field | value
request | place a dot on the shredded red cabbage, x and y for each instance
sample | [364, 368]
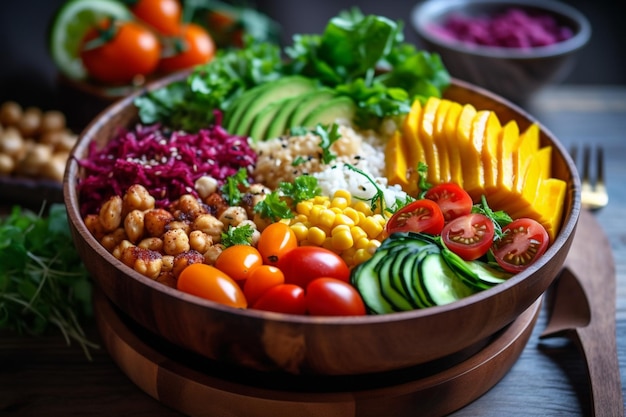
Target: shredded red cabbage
[167, 163]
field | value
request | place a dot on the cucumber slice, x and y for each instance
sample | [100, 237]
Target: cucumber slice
[69, 26]
[365, 279]
[440, 282]
[397, 299]
[476, 274]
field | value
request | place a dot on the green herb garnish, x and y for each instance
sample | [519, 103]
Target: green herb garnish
[231, 189]
[240, 235]
[302, 188]
[378, 199]
[499, 218]
[328, 135]
[43, 282]
[273, 207]
[422, 174]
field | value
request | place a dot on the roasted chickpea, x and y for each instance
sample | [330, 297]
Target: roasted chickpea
[52, 121]
[133, 225]
[233, 216]
[29, 124]
[152, 243]
[111, 213]
[7, 164]
[200, 241]
[137, 198]
[111, 240]
[156, 221]
[183, 260]
[10, 113]
[175, 241]
[205, 186]
[92, 222]
[210, 225]
[211, 255]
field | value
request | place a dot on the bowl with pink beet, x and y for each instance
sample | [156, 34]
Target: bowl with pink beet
[513, 48]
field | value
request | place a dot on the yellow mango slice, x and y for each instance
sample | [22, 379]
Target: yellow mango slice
[489, 153]
[538, 170]
[508, 142]
[395, 161]
[529, 144]
[471, 137]
[440, 139]
[425, 134]
[415, 151]
[547, 208]
[452, 148]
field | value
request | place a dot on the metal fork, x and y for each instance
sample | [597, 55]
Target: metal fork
[594, 195]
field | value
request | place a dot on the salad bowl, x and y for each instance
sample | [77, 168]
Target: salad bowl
[309, 345]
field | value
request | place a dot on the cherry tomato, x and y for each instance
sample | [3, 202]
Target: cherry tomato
[469, 236]
[276, 240]
[303, 264]
[162, 15]
[133, 50]
[260, 280]
[192, 46]
[523, 242]
[225, 28]
[238, 261]
[453, 200]
[209, 282]
[283, 298]
[419, 216]
[332, 297]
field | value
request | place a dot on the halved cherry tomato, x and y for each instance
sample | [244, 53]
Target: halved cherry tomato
[283, 298]
[238, 261]
[116, 55]
[469, 236]
[453, 200]
[523, 242]
[162, 15]
[209, 282]
[332, 297]
[276, 240]
[260, 280]
[419, 216]
[303, 264]
[190, 47]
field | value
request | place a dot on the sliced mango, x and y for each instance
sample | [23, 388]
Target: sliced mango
[426, 133]
[440, 139]
[528, 145]
[395, 161]
[489, 153]
[414, 148]
[470, 135]
[452, 148]
[547, 208]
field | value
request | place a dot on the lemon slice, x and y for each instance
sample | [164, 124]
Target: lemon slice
[69, 26]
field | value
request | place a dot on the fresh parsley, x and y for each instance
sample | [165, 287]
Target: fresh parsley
[231, 189]
[240, 235]
[273, 207]
[302, 188]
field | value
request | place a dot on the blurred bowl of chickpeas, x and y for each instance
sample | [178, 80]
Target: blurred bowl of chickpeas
[34, 147]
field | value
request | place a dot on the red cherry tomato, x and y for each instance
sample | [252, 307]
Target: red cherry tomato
[276, 240]
[469, 236]
[453, 200]
[332, 297]
[209, 282]
[283, 298]
[260, 280]
[419, 216]
[162, 15]
[238, 261]
[523, 242]
[192, 46]
[303, 264]
[133, 50]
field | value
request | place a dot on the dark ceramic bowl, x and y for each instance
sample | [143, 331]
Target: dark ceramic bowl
[274, 342]
[513, 73]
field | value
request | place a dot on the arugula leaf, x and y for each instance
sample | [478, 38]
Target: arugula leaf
[240, 235]
[302, 188]
[230, 190]
[43, 282]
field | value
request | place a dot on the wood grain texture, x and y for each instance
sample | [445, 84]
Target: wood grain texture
[316, 345]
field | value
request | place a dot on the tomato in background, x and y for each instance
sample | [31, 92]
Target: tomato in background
[225, 28]
[276, 240]
[282, 298]
[332, 297]
[190, 47]
[303, 264]
[164, 16]
[115, 54]
[260, 280]
[523, 242]
[238, 261]
[419, 216]
[453, 200]
[469, 236]
[212, 284]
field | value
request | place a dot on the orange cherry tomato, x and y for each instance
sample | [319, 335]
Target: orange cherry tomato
[260, 280]
[238, 261]
[192, 46]
[225, 28]
[132, 50]
[164, 16]
[212, 284]
[276, 240]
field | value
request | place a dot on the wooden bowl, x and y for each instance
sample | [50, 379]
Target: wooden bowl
[276, 342]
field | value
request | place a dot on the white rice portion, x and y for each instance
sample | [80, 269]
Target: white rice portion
[364, 150]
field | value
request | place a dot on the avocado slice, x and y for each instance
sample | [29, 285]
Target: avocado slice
[264, 119]
[308, 104]
[278, 125]
[239, 106]
[341, 107]
[272, 92]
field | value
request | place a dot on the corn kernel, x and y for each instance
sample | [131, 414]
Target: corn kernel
[316, 236]
[360, 256]
[352, 213]
[345, 194]
[321, 200]
[362, 243]
[357, 233]
[343, 219]
[339, 202]
[342, 239]
[314, 214]
[371, 227]
[363, 207]
[304, 207]
[300, 218]
[326, 218]
[341, 228]
[373, 246]
[336, 210]
[380, 219]
[301, 231]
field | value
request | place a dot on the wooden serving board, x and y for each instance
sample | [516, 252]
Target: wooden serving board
[197, 386]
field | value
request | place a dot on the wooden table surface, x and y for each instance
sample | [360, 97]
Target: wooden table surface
[44, 377]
